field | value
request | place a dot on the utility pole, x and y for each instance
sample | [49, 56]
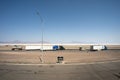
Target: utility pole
[41, 58]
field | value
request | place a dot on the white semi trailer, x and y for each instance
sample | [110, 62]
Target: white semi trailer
[98, 47]
[29, 47]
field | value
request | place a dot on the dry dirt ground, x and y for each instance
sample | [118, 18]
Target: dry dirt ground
[78, 65]
[50, 57]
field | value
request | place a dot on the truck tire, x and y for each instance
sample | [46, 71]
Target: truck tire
[13, 49]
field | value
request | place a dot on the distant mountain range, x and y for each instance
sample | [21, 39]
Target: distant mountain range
[45, 42]
[17, 41]
[14, 42]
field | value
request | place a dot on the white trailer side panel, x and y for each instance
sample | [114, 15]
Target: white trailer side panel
[47, 48]
[32, 47]
[38, 47]
[98, 47]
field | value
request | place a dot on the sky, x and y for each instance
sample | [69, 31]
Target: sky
[60, 21]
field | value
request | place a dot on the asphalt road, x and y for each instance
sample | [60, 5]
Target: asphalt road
[97, 71]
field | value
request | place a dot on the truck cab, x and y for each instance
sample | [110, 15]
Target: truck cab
[16, 47]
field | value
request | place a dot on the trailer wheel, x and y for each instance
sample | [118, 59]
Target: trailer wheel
[20, 49]
[13, 49]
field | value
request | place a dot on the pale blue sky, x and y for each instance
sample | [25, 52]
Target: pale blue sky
[64, 20]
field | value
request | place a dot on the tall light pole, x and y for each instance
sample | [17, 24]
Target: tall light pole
[41, 36]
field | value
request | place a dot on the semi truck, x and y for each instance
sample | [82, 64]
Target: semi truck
[98, 47]
[16, 47]
[44, 47]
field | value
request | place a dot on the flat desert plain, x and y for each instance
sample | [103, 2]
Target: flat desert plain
[70, 55]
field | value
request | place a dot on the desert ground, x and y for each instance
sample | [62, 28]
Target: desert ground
[71, 54]
[76, 65]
